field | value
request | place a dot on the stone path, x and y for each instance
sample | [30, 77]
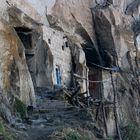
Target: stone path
[53, 116]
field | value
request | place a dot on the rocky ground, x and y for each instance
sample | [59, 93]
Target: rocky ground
[55, 119]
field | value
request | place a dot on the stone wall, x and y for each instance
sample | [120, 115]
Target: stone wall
[61, 54]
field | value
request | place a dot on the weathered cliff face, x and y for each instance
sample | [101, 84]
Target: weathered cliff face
[15, 79]
[113, 32]
[14, 72]
[116, 32]
[102, 33]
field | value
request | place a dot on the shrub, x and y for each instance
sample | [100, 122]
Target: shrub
[4, 135]
[20, 107]
[131, 132]
[74, 135]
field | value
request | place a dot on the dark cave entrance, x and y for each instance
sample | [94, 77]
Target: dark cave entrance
[25, 35]
[94, 59]
[95, 86]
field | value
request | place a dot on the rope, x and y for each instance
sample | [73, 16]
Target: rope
[115, 69]
[90, 81]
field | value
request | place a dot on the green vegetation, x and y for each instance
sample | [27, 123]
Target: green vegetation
[109, 138]
[77, 133]
[4, 135]
[74, 135]
[66, 98]
[2, 129]
[131, 132]
[20, 107]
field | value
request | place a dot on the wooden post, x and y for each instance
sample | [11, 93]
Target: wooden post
[104, 118]
[103, 111]
[115, 111]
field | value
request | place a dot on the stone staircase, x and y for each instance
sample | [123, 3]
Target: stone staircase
[53, 115]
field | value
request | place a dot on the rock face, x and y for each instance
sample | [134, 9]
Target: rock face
[102, 36]
[116, 32]
[117, 39]
[111, 28]
[14, 74]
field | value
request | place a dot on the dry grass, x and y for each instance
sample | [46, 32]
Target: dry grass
[73, 134]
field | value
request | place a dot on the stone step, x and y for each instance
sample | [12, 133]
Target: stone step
[54, 109]
[46, 104]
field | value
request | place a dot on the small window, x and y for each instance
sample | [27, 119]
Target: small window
[63, 48]
[65, 41]
[58, 75]
[49, 41]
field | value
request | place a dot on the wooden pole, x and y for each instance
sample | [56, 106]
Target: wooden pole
[104, 114]
[115, 110]
[104, 118]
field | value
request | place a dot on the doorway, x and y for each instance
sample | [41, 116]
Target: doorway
[95, 88]
[25, 35]
[58, 75]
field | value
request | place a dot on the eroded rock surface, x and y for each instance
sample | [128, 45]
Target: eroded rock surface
[100, 34]
[114, 31]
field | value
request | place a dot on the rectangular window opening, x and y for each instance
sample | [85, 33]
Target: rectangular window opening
[25, 34]
[58, 75]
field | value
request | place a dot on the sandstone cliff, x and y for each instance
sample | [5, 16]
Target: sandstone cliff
[104, 45]
[111, 28]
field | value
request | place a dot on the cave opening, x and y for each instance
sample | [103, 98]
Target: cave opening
[93, 60]
[105, 41]
[25, 35]
[95, 88]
